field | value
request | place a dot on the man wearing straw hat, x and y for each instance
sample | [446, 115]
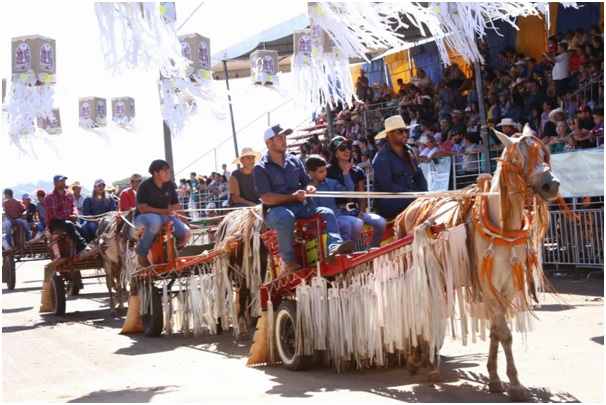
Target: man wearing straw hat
[282, 182]
[157, 204]
[242, 190]
[396, 168]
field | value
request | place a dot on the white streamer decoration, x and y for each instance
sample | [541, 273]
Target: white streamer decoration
[137, 35]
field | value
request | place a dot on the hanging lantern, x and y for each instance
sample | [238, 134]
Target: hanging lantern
[92, 112]
[196, 49]
[50, 124]
[264, 67]
[123, 111]
[34, 64]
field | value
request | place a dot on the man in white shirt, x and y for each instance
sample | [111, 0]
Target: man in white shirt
[431, 148]
[561, 68]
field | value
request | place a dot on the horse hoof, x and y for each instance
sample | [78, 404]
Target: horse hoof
[435, 376]
[517, 394]
[412, 367]
[495, 387]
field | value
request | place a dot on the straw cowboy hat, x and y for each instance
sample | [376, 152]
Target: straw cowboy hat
[553, 113]
[393, 123]
[507, 121]
[247, 152]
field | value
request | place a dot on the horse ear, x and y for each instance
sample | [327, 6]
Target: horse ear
[505, 140]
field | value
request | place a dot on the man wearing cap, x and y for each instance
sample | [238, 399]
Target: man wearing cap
[157, 204]
[62, 215]
[585, 124]
[30, 211]
[242, 191]
[396, 168]
[128, 197]
[282, 182]
[14, 211]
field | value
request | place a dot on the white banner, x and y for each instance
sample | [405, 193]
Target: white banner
[437, 173]
[581, 173]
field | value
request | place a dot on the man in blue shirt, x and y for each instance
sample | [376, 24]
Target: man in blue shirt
[396, 168]
[282, 183]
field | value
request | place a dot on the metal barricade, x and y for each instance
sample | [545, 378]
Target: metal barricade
[576, 239]
[373, 116]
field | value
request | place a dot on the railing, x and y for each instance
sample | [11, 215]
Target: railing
[590, 92]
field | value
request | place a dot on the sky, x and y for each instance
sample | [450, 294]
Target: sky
[115, 153]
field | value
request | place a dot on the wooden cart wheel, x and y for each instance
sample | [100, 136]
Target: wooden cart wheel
[8, 266]
[75, 283]
[58, 295]
[153, 318]
[286, 321]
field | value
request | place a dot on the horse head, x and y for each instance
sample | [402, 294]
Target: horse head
[530, 159]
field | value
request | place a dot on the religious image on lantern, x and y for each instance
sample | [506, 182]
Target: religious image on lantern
[101, 109]
[185, 50]
[47, 57]
[23, 57]
[305, 45]
[85, 111]
[268, 64]
[203, 55]
[119, 110]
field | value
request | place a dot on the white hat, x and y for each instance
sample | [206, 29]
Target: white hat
[507, 121]
[275, 130]
[247, 152]
[391, 124]
[553, 113]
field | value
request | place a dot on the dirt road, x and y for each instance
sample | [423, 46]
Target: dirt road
[81, 357]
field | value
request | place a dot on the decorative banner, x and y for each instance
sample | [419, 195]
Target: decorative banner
[264, 67]
[437, 173]
[123, 111]
[34, 64]
[51, 125]
[581, 173]
[92, 112]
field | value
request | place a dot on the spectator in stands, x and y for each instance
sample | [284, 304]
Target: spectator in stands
[532, 98]
[421, 80]
[494, 112]
[242, 191]
[584, 126]
[470, 160]
[507, 126]
[454, 75]
[61, 213]
[396, 168]
[430, 151]
[14, 211]
[128, 197]
[449, 98]
[458, 123]
[597, 132]
[515, 109]
[182, 192]
[362, 86]
[560, 73]
[226, 172]
[556, 143]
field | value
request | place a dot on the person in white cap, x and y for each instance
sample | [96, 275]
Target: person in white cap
[282, 182]
[396, 168]
[242, 190]
[128, 197]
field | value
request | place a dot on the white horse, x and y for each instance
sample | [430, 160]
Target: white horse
[505, 228]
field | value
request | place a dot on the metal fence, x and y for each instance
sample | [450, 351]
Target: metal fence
[576, 239]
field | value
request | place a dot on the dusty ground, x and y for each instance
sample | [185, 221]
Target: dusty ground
[81, 357]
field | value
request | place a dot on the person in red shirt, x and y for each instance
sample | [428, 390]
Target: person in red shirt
[128, 197]
[61, 213]
[14, 212]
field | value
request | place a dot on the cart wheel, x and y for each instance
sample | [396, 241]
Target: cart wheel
[58, 295]
[75, 283]
[8, 266]
[153, 319]
[286, 321]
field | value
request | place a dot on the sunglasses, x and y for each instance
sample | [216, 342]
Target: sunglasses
[343, 148]
[400, 131]
[101, 185]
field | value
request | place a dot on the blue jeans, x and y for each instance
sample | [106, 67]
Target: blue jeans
[390, 207]
[7, 225]
[350, 227]
[282, 219]
[377, 222]
[89, 230]
[152, 223]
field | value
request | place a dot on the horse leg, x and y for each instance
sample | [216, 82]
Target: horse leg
[433, 374]
[414, 361]
[516, 389]
[494, 382]
[244, 295]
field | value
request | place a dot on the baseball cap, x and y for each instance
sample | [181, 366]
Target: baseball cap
[467, 109]
[99, 181]
[336, 142]
[584, 108]
[24, 196]
[59, 177]
[275, 130]
[135, 177]
[41, 192]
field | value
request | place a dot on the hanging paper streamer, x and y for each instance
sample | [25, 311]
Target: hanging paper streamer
[31, 92]
[301, 64]
[138, 35]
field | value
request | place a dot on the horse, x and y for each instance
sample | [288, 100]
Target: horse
[114, 233]
[247, 263]
[505, 228]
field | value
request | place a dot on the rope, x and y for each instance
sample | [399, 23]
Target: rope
[383, 194]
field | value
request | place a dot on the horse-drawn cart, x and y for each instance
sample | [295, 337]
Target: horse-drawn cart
[26, 251]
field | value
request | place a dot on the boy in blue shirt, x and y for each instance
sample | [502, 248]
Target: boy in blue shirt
[350, 227]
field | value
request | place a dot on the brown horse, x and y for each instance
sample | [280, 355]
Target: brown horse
[505, 228]
[113, 231]
[247, 262]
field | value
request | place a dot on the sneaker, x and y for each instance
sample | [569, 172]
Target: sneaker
[85, 250]
[143, 261]
[292, 266]
[345, 247]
